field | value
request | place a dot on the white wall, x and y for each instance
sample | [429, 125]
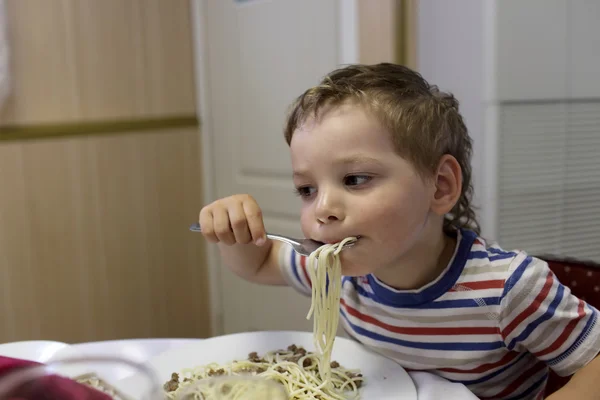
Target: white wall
[450, 54]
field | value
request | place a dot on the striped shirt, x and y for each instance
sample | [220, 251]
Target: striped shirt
[494, 320]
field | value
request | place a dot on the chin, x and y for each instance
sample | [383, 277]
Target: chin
[353, 269]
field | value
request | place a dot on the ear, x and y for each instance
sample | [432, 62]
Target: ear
[448, 185]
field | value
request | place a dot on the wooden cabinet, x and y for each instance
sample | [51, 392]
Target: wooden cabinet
[94, 240]
[75, 60]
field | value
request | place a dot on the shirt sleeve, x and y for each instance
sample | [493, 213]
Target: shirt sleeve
[540, 315]
[293, 268]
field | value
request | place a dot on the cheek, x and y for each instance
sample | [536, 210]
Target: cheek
[305, 220]
[398, 215]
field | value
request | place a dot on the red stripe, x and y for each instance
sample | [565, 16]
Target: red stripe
[532, 307]
[477, 241]
[566, 333]
[484, 330]
[479, 285]
[303, 265]
[510, 389]
[508, 357]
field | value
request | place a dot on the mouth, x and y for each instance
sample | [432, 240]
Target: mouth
[334, 241]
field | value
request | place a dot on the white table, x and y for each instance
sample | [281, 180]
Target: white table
[429, 386]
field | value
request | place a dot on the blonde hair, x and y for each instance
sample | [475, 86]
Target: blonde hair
[424, 122]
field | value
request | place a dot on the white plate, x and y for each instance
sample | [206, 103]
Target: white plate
[384, 379]
[137, 350]
[32, 350]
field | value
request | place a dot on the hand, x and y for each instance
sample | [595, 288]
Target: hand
[234, 219]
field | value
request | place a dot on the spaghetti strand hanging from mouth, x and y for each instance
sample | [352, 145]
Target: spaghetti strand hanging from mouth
[325, 271]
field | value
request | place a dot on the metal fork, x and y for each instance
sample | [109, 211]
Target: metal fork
[302, 246]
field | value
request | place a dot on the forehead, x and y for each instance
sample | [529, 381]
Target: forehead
[340, 130]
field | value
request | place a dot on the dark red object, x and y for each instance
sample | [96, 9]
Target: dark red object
[583, 278]
[50, 387]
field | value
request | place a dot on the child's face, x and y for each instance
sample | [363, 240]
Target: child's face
[353, 183]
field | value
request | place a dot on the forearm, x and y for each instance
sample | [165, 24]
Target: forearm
[584, 385]
[253, 263]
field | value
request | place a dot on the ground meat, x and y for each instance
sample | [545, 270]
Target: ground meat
[280, 370]
[173, 384]
[300, 351]
[253, 357]
[306, 363]
[253, 368]
[218, 372]
[335, 364]
[352, 375]
[292, 348]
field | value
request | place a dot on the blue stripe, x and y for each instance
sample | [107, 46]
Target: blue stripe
[450, 346]
[442, 304]
[578, 342]
[295, 268]
[396, 298]
[515, 276]
[491, 375]
[493, 250]
[348, 279]
[482, 255]
[549, 313]
[478, 255]
[502, 257]
[464, 303]
[535, 386]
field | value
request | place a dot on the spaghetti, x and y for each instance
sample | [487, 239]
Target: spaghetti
[326, 281]
[294, 368]
[304, 375]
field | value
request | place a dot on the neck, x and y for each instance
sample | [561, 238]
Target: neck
[425, 261]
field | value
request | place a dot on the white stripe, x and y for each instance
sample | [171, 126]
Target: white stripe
[300, 271]
[402, 312]
[383, 316]
[287, 270]
[463, 293]
[489, 276]
[539, 312]
[540, 343]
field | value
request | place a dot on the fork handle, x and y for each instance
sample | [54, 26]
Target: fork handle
[195, 227]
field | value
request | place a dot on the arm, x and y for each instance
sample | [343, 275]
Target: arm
[543, 317]
[584, 385]
[236, 224]
[258, 264]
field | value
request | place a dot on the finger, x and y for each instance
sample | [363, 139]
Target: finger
[222, 226]
[239, 223]
[207, 225]
[255, 222]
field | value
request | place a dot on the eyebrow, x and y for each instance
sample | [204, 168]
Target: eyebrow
[358, 159]
[351, 160]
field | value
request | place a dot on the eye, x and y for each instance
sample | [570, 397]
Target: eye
[305, 191]
[356, 180]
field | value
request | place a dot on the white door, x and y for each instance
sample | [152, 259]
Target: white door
[258, 56]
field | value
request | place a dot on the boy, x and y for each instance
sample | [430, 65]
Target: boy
[380, 154]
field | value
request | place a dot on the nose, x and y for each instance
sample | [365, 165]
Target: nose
[328, 207]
